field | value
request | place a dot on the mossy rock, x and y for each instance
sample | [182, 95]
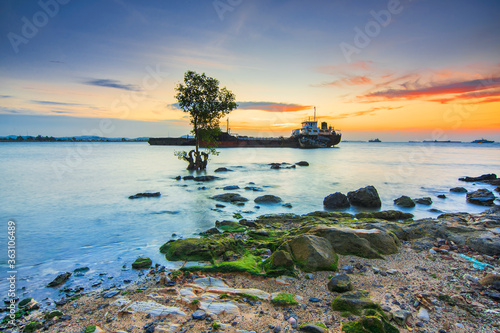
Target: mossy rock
[354, 302]
[52, 314]
[24, 303]
[32, 326]
[142, 263]
[280, 263]
[230, 226]
[247, 263]
[389, 215]
[312, 253]
[369, 324]
[199, 249]
[229, 197]
[284, 299]
[90, 329]
[329, 214]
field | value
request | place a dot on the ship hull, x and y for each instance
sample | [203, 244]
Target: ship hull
[229, 141]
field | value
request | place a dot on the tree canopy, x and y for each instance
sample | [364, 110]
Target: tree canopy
[206, 103]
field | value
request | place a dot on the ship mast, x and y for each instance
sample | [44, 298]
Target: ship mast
[314, 113]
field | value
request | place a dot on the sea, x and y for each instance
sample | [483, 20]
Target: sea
[69, 206]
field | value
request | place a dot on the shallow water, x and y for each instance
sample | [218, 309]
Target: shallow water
[71, 207]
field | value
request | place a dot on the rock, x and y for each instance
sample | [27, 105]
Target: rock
[253, 188]
[142, 263]
[222, 170]
[313, 253]
[60, 279]
[481, 197]
[275, 166]
[424, 201]
[312, 328]
[152, 308]
[340, 284]
[230, 187]
[423, 314]
[211, 231]
[400, 316]
[197, 249]
[230, 226]
[336, 200]
[32, 327]
[490, 280]
[404, 201]
[145, 195]
[354, 302]
[229, 197]
[111, 293]
[199, 315]
[287, 205]
[441, 196]
[188, 177]
[366, 243]
[302, 163]
[365, 197]
[314, 300]
[268, 199]
[389, 215]
[458, 190]
[281, 258]
[205, 178]
[481, 178]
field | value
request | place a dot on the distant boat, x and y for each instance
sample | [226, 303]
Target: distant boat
[443, 141]
[374, 140]
[414, 141]
[483, 140]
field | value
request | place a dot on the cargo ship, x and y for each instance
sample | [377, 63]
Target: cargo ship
[309, 136]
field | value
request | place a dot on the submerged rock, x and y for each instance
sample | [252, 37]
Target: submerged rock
[490, 176]
[302, 163]
[389, 215]
[229, 197]
[404, 201]
[145, 195]
[60, 279]
[222, 170]
[365, 197]
[424, 201]
[269, 199]
[205, 178]
[482, 197]
[336, 200]
[458, 190]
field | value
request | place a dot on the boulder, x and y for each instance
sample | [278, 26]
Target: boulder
[482, 197]
[458, 190]
[360, 242]
[336, 200]
[312, 328]
[60, 279]
[302, 163]
[389, 215]
[313, 253]
[365, 197]
[424, 201]
[229, 197]
[281, 258]
[254, 188]
[492, 280]
[205, 178]
[404, 201]
[268, 199]
[197, 249]
[142, 263]
[481, 178]
[230, 187]
[230, 226]
[340, 284]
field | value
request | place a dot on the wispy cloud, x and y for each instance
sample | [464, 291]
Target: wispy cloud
[112, 84]
[370, 111]
[273, 107]
[350, 81]
[54, 103]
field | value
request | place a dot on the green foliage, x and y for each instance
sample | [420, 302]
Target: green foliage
[195, 302]
[284, 299]
[216, 325]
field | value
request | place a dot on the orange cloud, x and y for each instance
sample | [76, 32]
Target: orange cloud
[351, 81]
[361, 113]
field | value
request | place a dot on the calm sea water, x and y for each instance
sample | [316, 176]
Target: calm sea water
[71, 207]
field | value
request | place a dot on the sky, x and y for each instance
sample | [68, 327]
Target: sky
[397, 70]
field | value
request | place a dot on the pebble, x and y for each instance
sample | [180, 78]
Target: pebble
[293, 322]
[314, 299]
[199, 315]
[423, 314]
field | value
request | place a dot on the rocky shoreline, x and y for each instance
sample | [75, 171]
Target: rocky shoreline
[324, 271]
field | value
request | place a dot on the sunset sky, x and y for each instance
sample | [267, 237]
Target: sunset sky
[396, 70]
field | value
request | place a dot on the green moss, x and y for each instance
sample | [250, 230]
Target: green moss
[176, 274]
[24, 303]
[74, 298]
[354, 302]
[317, 324]
[200, 249]
[251, 297]
[247, 263]
[230, 226]
[284, 299]
[195, 302]
[32, 327]
[216, 325]
[90, 329]
[17, 315]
